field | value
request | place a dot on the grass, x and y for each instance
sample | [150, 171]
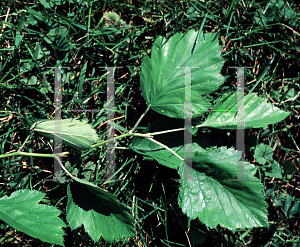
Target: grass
[74, 34]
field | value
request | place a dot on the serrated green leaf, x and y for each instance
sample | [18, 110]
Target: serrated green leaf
[286, 11]
[67, 77]
[88, 170]
[43, 52]
[287, 205]
[274, 170]
[288, 92]
[288, 167]
[57, 31]
[294, 209]
[35, 14]
[197, 237]
[263, 153]
[31, 20]
[276, 201]
[258, 113]
[262, 17]
[214, 200]
[50, 3]
[75, 133]
[277, 3]
[273, 8]
[99, 211]
[58, 2]
[112, 15]
[45, 3]
[163, 85]
[22, 212]
[32, 81]
[45, 87]
[270, 191]
[25, 67]
[193, 14]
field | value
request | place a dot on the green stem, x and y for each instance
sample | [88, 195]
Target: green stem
[121, 148]
[168, 131]
[140, 119]
[115, 138]
[166, 147]
[165, 131]
[62, 166]
[20, 149]
[66, 153]
[33, 154]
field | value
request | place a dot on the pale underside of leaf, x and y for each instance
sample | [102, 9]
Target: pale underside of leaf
[74, 133]
[258, 113]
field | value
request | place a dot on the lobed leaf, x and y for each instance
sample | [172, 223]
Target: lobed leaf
[274, 170]
[99, 211]
[263, 153]
[163, 84]
[22, 212]
[214, 200]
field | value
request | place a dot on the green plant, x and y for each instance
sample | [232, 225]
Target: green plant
[274, 7]
[112, 18]
[209, 196]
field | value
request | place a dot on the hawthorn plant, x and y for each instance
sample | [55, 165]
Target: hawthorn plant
[209, 196]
